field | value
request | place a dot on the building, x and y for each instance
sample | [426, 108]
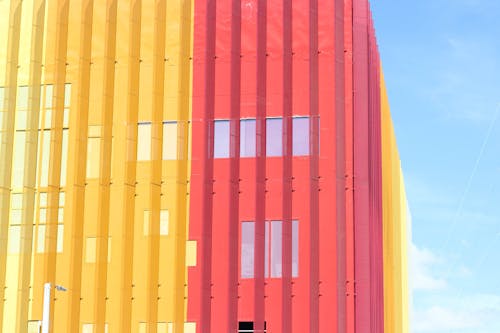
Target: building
[198, 166]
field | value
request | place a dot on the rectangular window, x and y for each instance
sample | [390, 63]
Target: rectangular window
[90, 250]
[60, 238]
[67, 94]
[48, 119]
[64, 157]
[18, 160]
[247, 138]
[40, 243]
[49, 89]
[163, 327]
[276, 248]
[274, 137]
[295, 248]
[247, 249]
[191, 253]
[164, 218]
[169, 140]
[40, 246]
[273, 251]
[93, 156]
[221, 139]
[88, 328]
[22, 98]
[301, 136]
[14, 239]
[45, 152]
[21, 120]
[144, 141]
[248, 327]
[34, 326]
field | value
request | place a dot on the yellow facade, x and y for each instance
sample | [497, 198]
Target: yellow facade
[85, 87]
[396, 228]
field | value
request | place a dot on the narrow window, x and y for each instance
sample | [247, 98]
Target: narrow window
[18, 160]
[64, 157]
[22, 98]
[45, 152]
[221, 139]
[266, 248]
[34, 326]
[144, 141]
[90, 250]
[248, 327]
[162, 327]
[191, 253]
[247, 138]
[247, 249]
[169, 140]
[14, 238]
[295, 248]
[60, 238]
[301, 136]
[274, 137]
[164, 218]
[88, 328]
[2, 97]
[276, 249]
[93, 155]
[49, 89]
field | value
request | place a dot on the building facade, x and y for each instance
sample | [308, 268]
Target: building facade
[198, 166]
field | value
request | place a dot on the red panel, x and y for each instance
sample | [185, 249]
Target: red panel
[200, 227]
[361, 167]
[350, 321]
[263, 59]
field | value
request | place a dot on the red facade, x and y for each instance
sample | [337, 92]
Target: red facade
[262, 69]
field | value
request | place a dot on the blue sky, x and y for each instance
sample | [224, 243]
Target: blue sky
[441, 61]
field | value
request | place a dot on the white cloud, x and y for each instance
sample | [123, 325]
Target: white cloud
[460, 313]
[422, 262]
[437, 318]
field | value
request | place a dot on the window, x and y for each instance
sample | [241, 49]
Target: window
[221, 139]
[93, 151]
[273, 240]
[247, 137]
[169, 140]
[144, 141]
[247, 249]
[295, 248]
[22, 98]
[91, 250]
[190, 253]
[18, 159]
[300, 136]
[14, 239]
[248, 327]
[45, 153]
[64, 157]
[34, 326]
[164, 219]
[274, 137]
[276, 248]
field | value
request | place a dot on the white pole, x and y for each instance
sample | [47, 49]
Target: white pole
[46, 307]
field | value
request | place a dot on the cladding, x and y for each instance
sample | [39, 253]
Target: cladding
[112, 183]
